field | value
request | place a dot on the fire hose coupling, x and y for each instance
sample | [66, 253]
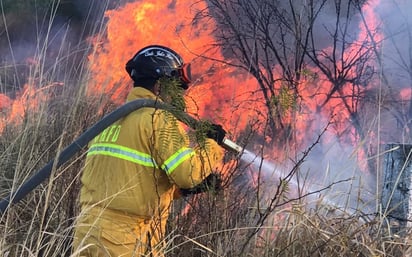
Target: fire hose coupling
[231, 146]
[217, 133]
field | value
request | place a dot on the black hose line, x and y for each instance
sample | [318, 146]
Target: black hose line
[84, 139]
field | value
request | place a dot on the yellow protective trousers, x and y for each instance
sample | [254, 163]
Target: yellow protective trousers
[106, 233]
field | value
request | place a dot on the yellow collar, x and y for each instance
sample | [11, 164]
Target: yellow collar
[139, 93]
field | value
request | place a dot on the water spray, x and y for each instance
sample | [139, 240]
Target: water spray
[274, 175]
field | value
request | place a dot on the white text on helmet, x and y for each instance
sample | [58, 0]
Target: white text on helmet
[160, 53]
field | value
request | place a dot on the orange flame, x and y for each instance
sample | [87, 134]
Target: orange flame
[138, 24]
[130, 29]
[406, 94]
[28, 101]
[221, 93]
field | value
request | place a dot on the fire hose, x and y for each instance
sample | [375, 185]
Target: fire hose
[91, 133]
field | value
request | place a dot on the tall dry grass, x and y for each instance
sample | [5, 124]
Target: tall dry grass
[39, 224]
[48, 112]
[225, 223]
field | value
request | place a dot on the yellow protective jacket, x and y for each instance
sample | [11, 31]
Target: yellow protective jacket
[134, 167]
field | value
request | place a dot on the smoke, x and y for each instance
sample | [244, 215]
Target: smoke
[397, 28]
[36, 34]
[380, 117]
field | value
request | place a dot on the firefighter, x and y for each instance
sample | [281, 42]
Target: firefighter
[137, 166]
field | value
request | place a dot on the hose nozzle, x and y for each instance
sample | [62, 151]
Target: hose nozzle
[231, 146]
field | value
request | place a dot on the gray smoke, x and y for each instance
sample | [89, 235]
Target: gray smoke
[396, 47]
[31, 33]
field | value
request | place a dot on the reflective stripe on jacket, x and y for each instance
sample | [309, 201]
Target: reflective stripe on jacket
[135, 165]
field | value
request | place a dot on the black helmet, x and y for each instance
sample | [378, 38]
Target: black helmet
[155, 61]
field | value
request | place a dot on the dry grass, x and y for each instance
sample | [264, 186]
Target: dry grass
[224, 224]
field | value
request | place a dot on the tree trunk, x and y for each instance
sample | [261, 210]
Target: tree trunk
[396, 191]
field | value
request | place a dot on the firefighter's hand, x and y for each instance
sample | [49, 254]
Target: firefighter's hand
[216, 132]
[212, 183]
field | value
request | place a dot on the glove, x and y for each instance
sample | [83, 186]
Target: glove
[216, 132]
[212, 183]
